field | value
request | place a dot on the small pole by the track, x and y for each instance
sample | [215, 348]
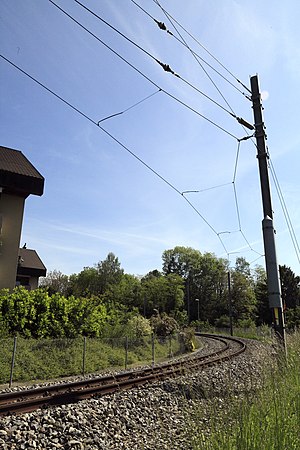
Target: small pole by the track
[153, 349]
[13, 361]
[230, 305]
[83, 355]
[126, 352]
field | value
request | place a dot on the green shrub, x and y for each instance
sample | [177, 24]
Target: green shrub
[164, 325]
[268, 418]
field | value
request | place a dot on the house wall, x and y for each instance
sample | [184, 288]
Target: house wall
[33, 282]
[29, 282]
[11, 212]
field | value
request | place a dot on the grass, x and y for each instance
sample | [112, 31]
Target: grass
[44, 359]
[268, 419]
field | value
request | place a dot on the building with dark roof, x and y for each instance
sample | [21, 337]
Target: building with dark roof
[18, 179]
[30, 268]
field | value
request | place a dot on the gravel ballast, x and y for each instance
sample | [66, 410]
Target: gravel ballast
[160, 416]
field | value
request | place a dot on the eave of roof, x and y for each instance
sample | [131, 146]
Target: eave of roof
[30, 263]
[17, 174]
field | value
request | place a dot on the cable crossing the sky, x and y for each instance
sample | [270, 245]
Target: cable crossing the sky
[172, 186]
[159, 89]
[198, 59]
[163, 27]
[165, 67]
[146, 77]
[130, 107]
[206, 50]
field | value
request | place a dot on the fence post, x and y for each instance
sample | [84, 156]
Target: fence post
[170, 346]
[153, 349]
[13, 361]
[126, 352]
[83, 355]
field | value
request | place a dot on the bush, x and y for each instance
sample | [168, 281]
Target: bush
[138, 327]
[222, 322]
[187, 340]
[292, 318]
[164, 325]
[38, 314]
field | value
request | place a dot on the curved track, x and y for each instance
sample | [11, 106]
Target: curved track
[58, 394]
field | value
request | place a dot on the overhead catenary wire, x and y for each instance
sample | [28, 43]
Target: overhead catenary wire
[182, 41]
[162, 26]
[234, 187]
[168, 69]
[207, 51]
[233, 184]
[236, 197]
[206, 189]
[285, 210]
[197, 59]
[133, 154]
[172, 186]
[182, 103]
[238, 215]
[165, 66]
[282, 202]
[130, 107]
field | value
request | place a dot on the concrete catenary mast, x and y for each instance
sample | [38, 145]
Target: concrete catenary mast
[272, 268]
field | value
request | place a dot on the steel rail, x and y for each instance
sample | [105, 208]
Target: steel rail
[57, 394]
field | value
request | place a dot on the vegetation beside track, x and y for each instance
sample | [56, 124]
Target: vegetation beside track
[266, 419]
[44, 359]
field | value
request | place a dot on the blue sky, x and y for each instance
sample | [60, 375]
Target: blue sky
[98, 198]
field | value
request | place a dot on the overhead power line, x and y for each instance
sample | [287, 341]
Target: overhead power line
[172, 186]
[182, 41]
[118, 142]
[130, 107]
[197, 58]
[166, 67]
[285, 211]
[237, 208]
[206, 50]
[173, 97]
[218, 234]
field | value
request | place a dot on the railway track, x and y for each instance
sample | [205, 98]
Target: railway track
[64, 393]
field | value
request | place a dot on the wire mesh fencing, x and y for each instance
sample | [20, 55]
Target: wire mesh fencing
[23, 359]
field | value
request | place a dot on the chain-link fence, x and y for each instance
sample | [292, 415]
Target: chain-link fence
[24, 360]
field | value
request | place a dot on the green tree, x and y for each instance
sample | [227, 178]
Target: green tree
[210, 287]
[243, 297]
[183, 261]
[264, 314]
[85, 283]
[163, 293]
[55, 281]
[138, 327]
[96, 280]
[109, 272]
[292, 317]
[126, 292]
[58, 325]
[163, 325]
[41, 301]
[18, 311]
[180, 260]
[290, 287]
[242, 266]
[205, 278]
[86, 316]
